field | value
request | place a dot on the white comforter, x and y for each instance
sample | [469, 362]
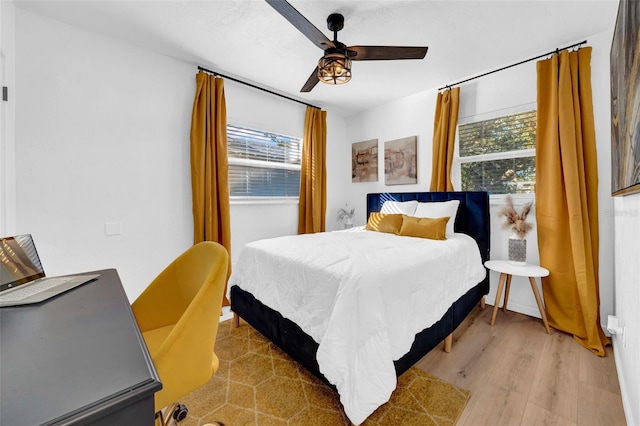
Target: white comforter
[362, 296]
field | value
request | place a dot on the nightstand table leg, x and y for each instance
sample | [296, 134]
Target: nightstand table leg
[506, 293]
[534, 287]
[498, 294]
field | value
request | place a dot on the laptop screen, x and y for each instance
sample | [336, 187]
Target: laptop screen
[19, 261]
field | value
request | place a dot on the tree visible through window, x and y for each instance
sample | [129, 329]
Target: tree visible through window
[262, 164]
[498, 155]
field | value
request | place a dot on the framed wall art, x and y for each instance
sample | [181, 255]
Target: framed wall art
[400, 161]
[625, 100]
[364, 161]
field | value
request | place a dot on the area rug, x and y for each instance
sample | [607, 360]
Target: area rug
[257, 384]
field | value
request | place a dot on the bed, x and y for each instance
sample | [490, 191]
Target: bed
[295, 335]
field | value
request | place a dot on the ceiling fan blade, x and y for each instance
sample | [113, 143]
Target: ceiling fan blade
[311, 81]
[381, 53]
[301, 23]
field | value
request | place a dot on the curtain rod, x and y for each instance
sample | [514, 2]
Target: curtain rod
[513, 65]
[256, 87]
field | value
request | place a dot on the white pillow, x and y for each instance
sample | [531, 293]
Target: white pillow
[439, 209]
[403, 207]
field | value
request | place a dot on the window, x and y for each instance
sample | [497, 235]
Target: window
[498, 155]
[263, 164]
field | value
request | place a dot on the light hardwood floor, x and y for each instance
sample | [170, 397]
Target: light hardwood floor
[519, 375]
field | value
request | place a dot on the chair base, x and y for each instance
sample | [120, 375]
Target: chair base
[174, 413]
[171, 414]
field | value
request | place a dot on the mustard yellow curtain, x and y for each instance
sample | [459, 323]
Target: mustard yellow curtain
[209, 165]
[313, 182]
[444, 139]
[567, 197]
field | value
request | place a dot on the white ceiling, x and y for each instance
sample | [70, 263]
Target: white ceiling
[250, 40]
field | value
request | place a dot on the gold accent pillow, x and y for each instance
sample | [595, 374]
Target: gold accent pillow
[380, 222]
[424, 227]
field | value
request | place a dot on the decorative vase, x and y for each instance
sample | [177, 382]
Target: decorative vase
[517, 251]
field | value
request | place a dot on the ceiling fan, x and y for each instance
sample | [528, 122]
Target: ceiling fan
[335, 65]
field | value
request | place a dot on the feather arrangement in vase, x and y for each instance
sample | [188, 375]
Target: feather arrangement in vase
[516, 221]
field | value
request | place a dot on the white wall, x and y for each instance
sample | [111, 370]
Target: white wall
[102, 135]
[7, 118]
[627, 296]
[496, 94]
[252, 108]
[410, 116]
[255, 220]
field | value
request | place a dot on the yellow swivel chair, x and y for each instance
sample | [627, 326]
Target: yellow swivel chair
[178, 314]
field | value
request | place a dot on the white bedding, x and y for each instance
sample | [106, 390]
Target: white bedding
[362, 296]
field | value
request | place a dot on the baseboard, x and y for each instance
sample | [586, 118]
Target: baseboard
[226, 313]
[626, 404]
[531, 311]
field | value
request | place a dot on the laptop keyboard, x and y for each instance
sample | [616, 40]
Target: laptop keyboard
[35, 288]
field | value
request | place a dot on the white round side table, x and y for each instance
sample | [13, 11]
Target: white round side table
[507, 270]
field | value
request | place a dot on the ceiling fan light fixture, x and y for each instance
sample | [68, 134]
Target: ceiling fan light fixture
[334, 68]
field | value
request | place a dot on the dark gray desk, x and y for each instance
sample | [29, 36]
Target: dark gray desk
[78, 358]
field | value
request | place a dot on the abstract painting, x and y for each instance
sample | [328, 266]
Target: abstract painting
[625, 100]
[364, 161]
[400, 162]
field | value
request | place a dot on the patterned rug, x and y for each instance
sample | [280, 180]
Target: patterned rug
[258, 384]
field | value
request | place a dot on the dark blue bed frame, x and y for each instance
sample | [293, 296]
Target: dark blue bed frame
[472, 219]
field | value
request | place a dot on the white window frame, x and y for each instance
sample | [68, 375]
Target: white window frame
[497, 199]
[242, 199]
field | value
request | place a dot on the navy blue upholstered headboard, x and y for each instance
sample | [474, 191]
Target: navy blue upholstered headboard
[473, 213]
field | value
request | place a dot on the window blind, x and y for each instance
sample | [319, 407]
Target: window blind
[263, 164]
[498, 155]
[507, 133]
